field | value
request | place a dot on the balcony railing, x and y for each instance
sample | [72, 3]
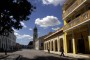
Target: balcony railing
[72, 7]
[78, 20]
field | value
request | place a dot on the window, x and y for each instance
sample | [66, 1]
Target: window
[68, 21]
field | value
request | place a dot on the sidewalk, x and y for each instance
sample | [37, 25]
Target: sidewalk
[79, 56]
[3, 56]
[9, 57]
[72, 56]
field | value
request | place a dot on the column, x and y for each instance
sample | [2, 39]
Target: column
[48, 45]
[65, 43]
[89, 36]
[58, 45]
[74, 43]
[44, 46]
[74, 46]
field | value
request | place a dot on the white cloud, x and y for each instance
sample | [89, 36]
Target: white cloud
[24, 36]
[47, 21]
[56, 28]
[54, 2]
[30, 29]
[15, 30]
[23, 24]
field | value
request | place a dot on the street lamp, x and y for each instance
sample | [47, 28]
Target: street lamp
[6, 35]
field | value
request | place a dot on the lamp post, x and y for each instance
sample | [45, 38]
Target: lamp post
[6, 48]
[6, 35]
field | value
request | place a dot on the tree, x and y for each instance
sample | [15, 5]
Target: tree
[12, 13]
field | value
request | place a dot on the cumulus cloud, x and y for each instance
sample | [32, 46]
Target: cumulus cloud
[23, 24]
[24, 36]
[30, 29]
[54, 2]
[55, 28]
[47, 21]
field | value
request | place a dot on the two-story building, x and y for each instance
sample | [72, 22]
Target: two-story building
[76, 16]
[54, 41]
[8, 42]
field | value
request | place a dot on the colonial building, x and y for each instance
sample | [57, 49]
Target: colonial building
[39, 43]
[8, 42]
[76, 16]
[35, 35]
[54, 41]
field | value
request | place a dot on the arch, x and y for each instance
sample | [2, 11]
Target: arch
[56, 47]
[52, 45]
[61, 43]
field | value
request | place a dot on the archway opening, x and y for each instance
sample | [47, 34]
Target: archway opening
[56, 49]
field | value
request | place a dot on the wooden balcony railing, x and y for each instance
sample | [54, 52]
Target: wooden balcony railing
[72, 7]
[78, 20]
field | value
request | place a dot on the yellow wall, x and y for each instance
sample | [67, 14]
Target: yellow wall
[65, 43]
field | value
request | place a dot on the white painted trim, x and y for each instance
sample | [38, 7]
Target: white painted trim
[77, 25]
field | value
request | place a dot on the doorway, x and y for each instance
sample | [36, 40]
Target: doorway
[52, 45]
[81, 46]
[61, 43]
[56, 49]
[70, 45]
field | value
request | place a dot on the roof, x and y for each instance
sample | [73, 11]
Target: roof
[40, 38]
[49, 35]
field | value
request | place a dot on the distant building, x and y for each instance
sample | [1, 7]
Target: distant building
[8, 42]
[30, 45]
[35, 35]
[18, 46]
[39, 43]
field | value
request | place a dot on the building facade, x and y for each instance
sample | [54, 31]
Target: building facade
[54, 41]
[76, 16]
[8, 42]
[39, 43]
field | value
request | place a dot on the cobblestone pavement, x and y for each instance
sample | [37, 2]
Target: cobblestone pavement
[29, 54]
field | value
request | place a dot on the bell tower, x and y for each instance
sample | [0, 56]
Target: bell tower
[35, 35]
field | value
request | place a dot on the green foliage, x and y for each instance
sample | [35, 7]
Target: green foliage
[12, 13]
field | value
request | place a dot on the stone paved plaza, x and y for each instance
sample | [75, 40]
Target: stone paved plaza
[30, 54]
[39, 55]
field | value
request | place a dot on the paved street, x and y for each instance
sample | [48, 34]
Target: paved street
[27, 54]
[38, 55]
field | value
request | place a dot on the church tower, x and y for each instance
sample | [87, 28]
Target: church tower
[35, 35]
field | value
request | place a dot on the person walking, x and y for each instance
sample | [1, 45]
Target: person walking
[62, 51]
[48, 50]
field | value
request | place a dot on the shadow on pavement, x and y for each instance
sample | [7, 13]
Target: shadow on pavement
[45, 58]
[51, 58]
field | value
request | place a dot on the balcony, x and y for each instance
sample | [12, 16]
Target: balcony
[73, 7]
[78, 21]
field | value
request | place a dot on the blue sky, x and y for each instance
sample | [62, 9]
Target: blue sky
[47, 16]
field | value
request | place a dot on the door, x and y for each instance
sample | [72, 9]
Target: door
[81, 46]
[70, 46]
